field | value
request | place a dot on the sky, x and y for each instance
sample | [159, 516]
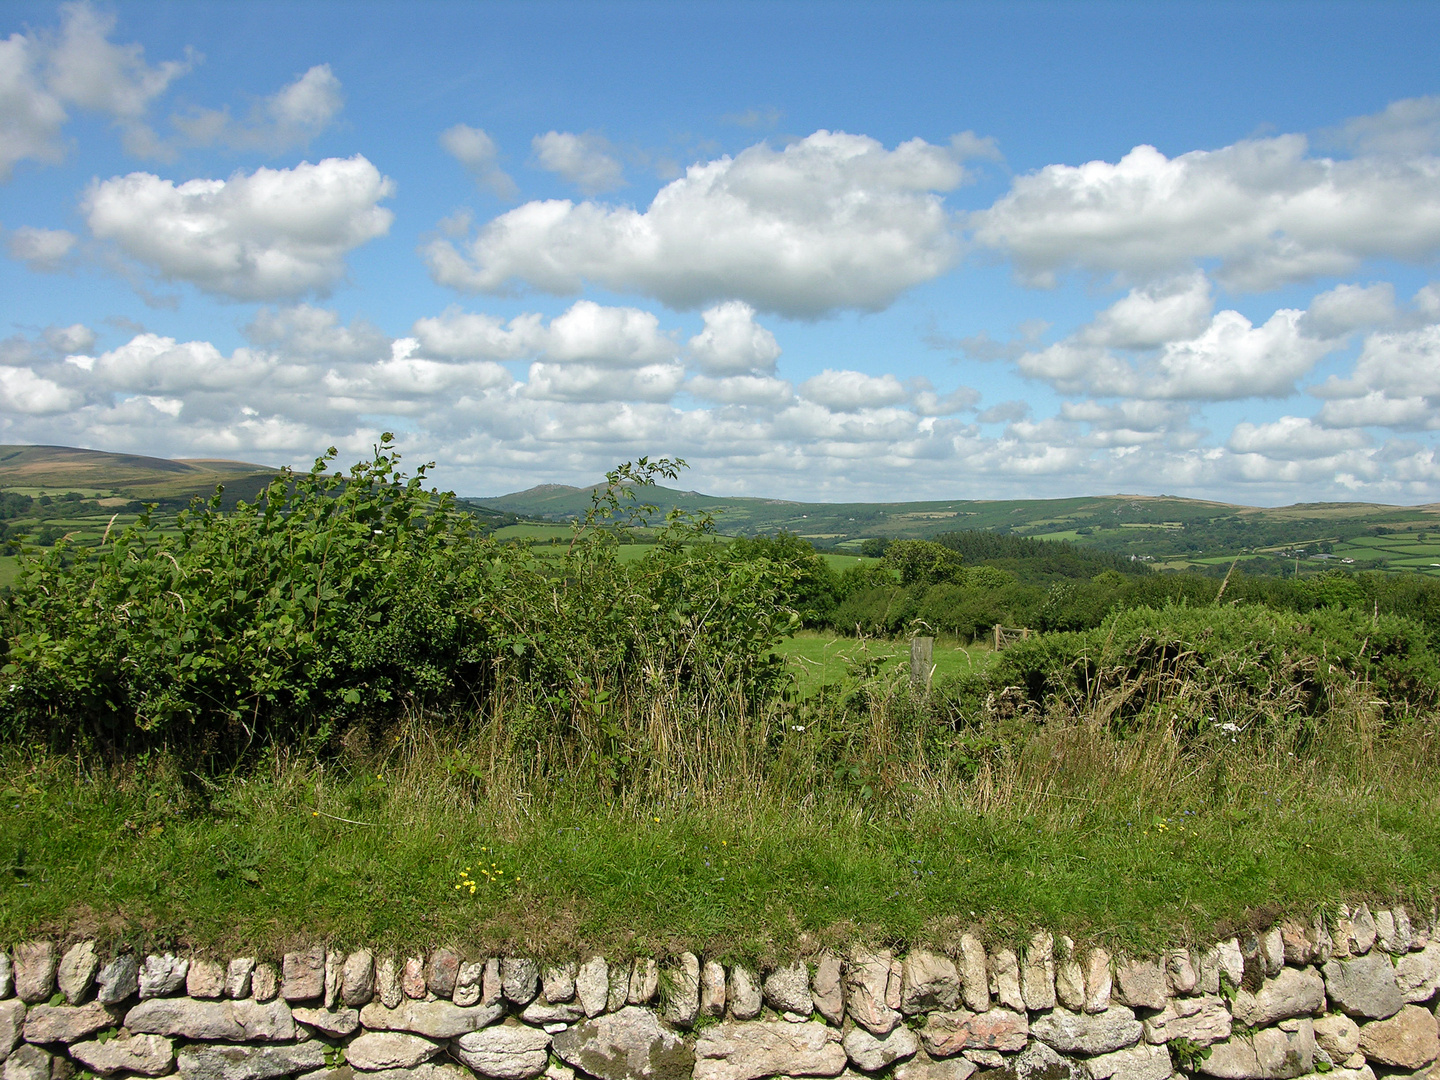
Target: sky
[821, 251]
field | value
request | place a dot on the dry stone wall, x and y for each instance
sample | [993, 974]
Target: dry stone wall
[1351, 998]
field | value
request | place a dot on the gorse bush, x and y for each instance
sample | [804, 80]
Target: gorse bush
[336, 597]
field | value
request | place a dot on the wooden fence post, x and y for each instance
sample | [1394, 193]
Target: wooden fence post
[922, 652]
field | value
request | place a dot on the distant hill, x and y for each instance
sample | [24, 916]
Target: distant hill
[101, 475]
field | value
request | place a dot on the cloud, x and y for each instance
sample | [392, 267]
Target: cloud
[848, 391]
[588, 161]
[43, 73]
[44, 251]
[597, 382]
[830, 222]
[1405, 128]
[266, 235]
[1187, 353]
[758, 390]
[289, 118]
[1346, 308]
[967, 146]
[733, 342]
[587, 332]
[316, 333]
[1293, 438]
[1004, 412]
[1395, 384]
[1267, 212]
[477, 151]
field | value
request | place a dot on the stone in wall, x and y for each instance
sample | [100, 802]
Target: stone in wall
[1364, 986]
[28, 1062]
[470, 984]
[1037, 974]
[874, 1052]
[434, 1019]
[390, 1050]
[12, 1023]
[928, 980]
[67, 1023]
[948, 1033]
[787, 990]
[118, 980]
[743, 994]
[147, 1055]
[221, 1062]
[223, 1021]
[1098, 983]
[923, 1067]
[974, 974]
[1203, 1020]
[7, 976]
[205, 979]
[592, 985]
[357, 979]
[682, 1006]
[1406, 1040]
[238, 974]
[505, 1053]
[77, 970]
[1337, 1035]
[1417, 974]
[867, 977]
[1004, 968]
[1038, 1062]
[441, 972]
[35, 969]
[337, 1023]
[1087, 1033]
[1268, 1054]
[1142, 1061]
[827, 988]
[302, 975]
[557, 983]
[1180, 971]
[412, 978]
[520, 980]
[1070, 979]
[1141, 984]
[632, 1044]
[1294, 992]
[750, 1051]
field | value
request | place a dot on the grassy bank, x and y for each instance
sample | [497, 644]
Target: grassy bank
[1132, 840]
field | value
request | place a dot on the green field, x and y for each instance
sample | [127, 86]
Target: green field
[818, 659]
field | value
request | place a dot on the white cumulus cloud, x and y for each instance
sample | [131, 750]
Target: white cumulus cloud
[291, 117]
[266, 235]
[1265, 209]
[1294, 438]
[588, 160]
[848, 391]
[829, 222]
[43, 250]
[733, 342]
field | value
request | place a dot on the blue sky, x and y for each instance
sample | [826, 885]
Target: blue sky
[824, 251]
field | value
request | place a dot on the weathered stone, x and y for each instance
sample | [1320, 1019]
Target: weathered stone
[492, 987]
[787, 990]
[1141, 1062]
[1037, 974]
[205, 979]
[67, 1023]
[1299, 941]
[1407, 1040]
[1342, 932]
[1268, 1054]
[866, 978]
[1004, 968]
[433, 1019]
[1337, 1035]
[712, 989]
[928, 981]
[1272, 949]
[28, 1063]
[1097, 981]
[389, 1050]
[76, 973]
[1070, 985]
[469, 981]
[827, 988]
[631, 1044]
[1087, 1033]
[442, 971]
[426, 1070]
[265, 983]
[249, 1062]
[12, 1022]
[1417, 974]
[923, 1067]
[750, 1051]
[974, 974]
[238, 974]
[357, 979]
[1294, 992]
[505, 1053]
[1360, 1071]
[35, 969]
[333, 1022]
[387, 982]
[1385, 931]
[7, 975]
[892, 985]
[162, 976]
[556, 1071]
[1364, 986]
[412, 978]
[234, 1021]
[644, 981]
[118, 980]
[1362, 938]
[1039, 1062]
[872, 1052]
[986, 1059]
[558, 983]
[1180, 971]
[147, 1055]
[592, 985]
[1141, 984]
[1203, 1020]
[743, 994]
[540, 1012]
[334, 972]
[1223, 959]
[1404, 936]
[302, 975]
[682, 999]
[945, 1034]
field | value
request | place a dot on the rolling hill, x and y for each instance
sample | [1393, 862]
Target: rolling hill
[57, 470]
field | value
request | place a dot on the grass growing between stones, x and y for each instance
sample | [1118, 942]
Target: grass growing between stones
[1130, 838]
